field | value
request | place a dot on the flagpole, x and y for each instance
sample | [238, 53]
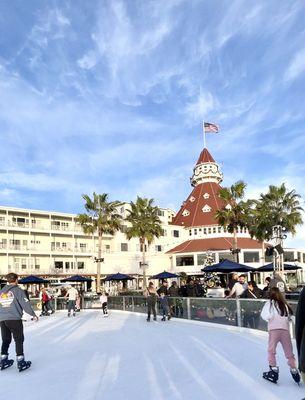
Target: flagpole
[204, 138]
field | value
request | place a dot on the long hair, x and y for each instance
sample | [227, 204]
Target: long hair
[280, 303]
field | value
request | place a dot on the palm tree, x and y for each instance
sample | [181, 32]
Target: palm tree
[235, 213]
[101, 217]
[276, 207]
[145, 225]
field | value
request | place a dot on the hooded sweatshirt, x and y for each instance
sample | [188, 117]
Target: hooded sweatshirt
[271, 314]
[13, 302]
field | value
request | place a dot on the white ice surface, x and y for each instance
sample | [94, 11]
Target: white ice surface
[124, 357]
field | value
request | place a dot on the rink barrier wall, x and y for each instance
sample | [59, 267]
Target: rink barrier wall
[243, 313]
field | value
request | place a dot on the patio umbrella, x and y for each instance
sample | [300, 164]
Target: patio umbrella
[165, 275]
[269, 268]
[227, 266]
[32, 279]
[118, 277]
[77, 278]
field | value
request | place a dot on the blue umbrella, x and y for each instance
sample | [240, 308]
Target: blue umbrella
[76, 278]
[32, 279]
[269, 268]
[165, 275]
[118, 277]
[227, 266]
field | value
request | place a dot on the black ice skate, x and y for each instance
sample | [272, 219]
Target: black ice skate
[163, 318]
[295, 375]
[155, 318]
[148, 319]
[22, 364]
[169, 317]
[5, 362]
[272, 375]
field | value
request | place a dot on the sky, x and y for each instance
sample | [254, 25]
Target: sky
[109, 96]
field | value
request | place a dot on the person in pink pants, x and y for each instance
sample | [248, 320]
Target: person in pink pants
[277, 313]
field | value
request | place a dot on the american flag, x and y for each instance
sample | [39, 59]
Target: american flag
[208, 127]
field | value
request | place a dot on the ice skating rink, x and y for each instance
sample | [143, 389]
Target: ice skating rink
[125, 358]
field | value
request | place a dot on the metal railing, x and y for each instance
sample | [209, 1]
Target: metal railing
[233, 312]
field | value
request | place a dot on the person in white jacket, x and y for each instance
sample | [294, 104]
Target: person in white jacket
[104, 302]
[277, 313]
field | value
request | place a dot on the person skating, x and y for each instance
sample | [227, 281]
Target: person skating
[277, 313]
[151, 295]
[163, 294]
[300, 332]
[45, 302]
[104, 302]
[13, 302]
[72, 295]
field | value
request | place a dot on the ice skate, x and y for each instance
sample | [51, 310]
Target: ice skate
[169, 317]
[295, 375]
[5, 362]
[163, 318]
[22, 364]
[106, 315]
[148, 319]
[272, 375]
[155, 318]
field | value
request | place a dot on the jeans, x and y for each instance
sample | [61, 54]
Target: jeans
[11, 328]
[71, 306]
[105, 308]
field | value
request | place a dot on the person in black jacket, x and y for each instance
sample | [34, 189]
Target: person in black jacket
[191, 289]
[300, 332]
[251, 316]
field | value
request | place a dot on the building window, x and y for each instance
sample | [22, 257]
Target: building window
[206, 196]
[161, 213]
[65, 226]
[195, 231]
[59, 264]
[163, 232]
[204, 231]
[251, 256]
[186, 213]
[23, 263]
[226, 256]
[209, 230]
[201, 258]
[299, 257]
[184, 260]
[192, 199]
[123, 228]
[2, 221]
[214, 230]
[190, 232]
[124, 246]
[158, 248]
[289, 256]
[206, 209]
[219, 229]
[55, 225]
[176, 233]
[67, 265]
[80, 265]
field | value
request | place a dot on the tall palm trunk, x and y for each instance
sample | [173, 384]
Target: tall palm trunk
[98, 264]
[143, 264]
[236, 257]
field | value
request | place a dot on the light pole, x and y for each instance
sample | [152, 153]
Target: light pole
[278, 259]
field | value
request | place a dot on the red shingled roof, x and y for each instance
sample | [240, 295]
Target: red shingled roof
[221, 243]
[205, 156]
[194, 204]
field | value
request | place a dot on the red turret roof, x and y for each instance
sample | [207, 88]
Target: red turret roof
[205, 156]
[204, 195]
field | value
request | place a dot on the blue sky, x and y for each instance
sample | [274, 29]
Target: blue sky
[110, 96]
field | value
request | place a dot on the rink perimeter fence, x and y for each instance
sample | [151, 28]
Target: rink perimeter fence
[233, 312]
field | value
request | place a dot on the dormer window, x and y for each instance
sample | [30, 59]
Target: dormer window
[206, 196]
[186, 213]
[192, 199]
[206, 209]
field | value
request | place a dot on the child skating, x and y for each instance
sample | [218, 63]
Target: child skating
[164, 307]
[13, 302]
[277, 313]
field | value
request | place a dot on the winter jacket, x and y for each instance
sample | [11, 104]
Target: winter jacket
[13, 302]
[275, 320]
[162, 289]
[191, 290]
[255, 294]
[103, 298]
[300, 331]
[173, 291]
